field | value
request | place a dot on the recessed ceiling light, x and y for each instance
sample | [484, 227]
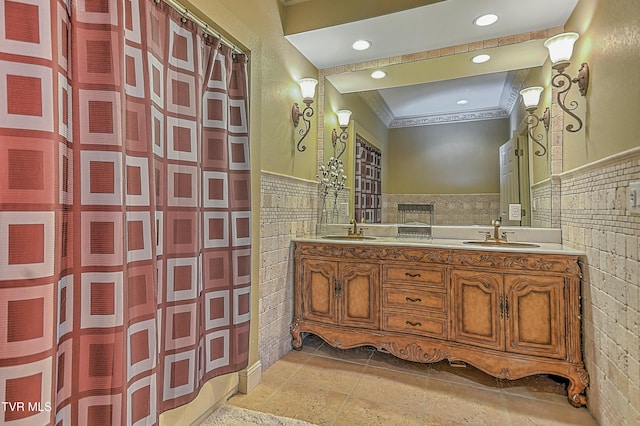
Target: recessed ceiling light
[484, 20]
[479, 59]
[378, 74]
[361, 45]
[462, 102]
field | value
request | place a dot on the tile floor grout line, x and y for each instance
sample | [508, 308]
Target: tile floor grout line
[267, 399]
[423, 412]
[364, 367]
[523, 403]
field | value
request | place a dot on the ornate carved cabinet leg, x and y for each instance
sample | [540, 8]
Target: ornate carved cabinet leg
[296, 335]
[578, 381]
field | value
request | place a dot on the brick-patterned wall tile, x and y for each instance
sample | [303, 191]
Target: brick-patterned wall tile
[449, 209]
[289, 208]
[594, 218]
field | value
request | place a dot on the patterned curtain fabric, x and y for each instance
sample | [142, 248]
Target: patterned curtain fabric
[124, 211]
[368, 186]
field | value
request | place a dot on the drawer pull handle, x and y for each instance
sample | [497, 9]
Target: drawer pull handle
[410, 299]
[409, 274]
[413, 324]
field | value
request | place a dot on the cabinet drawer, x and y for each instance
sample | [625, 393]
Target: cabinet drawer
[414, 324]
[403, 297]
[433, 277]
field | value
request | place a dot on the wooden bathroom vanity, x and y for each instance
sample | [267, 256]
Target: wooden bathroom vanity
[509, 313]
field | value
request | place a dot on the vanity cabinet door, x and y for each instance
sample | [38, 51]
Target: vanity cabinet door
[536, 315]
[359, 295]
[319, 285]
[476, 309]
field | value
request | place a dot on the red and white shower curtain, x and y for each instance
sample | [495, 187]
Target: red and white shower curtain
[124, 211]
[368, 182]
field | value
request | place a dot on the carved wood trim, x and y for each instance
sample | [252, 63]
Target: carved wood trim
[428, 350]
[566, 264]
[414, 352]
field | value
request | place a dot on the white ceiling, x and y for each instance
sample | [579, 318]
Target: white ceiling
[444, 24]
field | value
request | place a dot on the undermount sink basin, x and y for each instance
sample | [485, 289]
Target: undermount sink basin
[500, 244]
[348, 237]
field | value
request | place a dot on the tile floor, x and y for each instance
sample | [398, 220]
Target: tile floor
[328, 386]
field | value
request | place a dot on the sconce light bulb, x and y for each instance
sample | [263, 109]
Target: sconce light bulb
[561, 47]
[308, 87]
[531, 96]
[343, 117]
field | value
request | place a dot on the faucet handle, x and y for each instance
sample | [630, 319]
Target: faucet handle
[487, 234]
[504, 234]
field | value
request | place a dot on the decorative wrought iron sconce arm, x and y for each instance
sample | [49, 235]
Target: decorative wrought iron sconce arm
[308, 89]
[306, 113]
[339, 141]
[563, 81]
[532, 121]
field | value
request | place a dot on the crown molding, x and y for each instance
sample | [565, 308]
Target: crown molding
[373, 99]
[426, 120]
[511, 91]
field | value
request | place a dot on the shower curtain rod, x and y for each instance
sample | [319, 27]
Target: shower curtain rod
[207, 28]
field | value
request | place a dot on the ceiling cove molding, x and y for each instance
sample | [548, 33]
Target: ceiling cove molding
[427, 120]
[511, 91]
[373, 99]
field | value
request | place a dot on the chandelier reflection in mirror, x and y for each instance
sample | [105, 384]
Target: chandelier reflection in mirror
[531, 98]
[308, 89]
[340, 140]
[560, 51]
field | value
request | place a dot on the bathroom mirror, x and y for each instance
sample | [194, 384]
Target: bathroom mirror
[354, 89]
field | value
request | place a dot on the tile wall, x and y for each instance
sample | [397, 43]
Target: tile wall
[450, 209]
[595, 219]
[288, 209]
[541, 205]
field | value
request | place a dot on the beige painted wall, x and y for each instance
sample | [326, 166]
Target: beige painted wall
[610, 43]
[445, 159]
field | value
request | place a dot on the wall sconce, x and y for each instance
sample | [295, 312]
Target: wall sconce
[560, 50]
[343, 136]
[531, 98]
[308, 89]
